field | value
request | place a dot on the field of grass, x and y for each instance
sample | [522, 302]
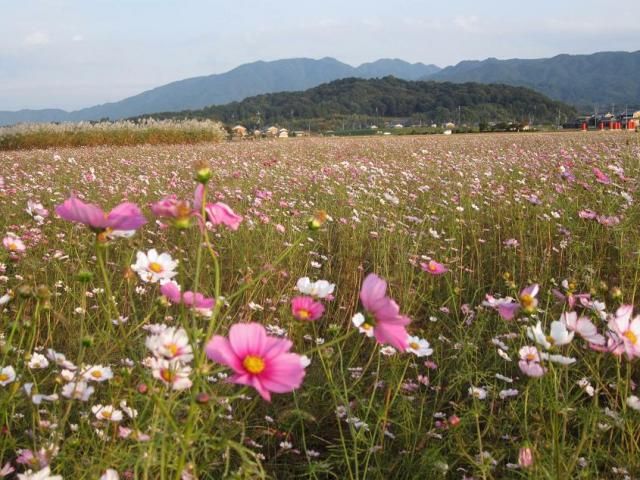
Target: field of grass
[121, 133]
[499, 212]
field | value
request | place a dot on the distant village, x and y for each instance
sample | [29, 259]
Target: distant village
[606, 121]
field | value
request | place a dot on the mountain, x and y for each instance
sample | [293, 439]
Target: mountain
[388, 97]
[241, 82]
[601, 78]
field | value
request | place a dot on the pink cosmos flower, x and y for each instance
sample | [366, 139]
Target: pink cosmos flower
[306, 308]
[434, 268]
[388, 325]
[625, 332]
[221, 214]
[126, 216]
[13, 244]
[258, 360]
[530, 362]
[171, 291]
[583, 327]
[601, 177]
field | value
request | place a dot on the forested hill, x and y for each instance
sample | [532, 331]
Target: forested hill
[389, 97]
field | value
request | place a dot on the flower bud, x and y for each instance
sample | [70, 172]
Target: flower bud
[203, 173]
[318, 220]
[616, 293]
[525, 457]
[84, 276]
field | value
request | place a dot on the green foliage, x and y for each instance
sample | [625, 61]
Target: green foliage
[358, 101]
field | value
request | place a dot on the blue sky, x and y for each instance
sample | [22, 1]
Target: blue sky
[75, 53]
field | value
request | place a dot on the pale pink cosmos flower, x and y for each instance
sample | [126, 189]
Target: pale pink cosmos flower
[306, 308]
[626, 332]
[258, 360]
[388, 325]
[527, 302]
[530, 362]
[221, 214]
[125, 216]
[433, 267]
[13, 244]
[583, 327]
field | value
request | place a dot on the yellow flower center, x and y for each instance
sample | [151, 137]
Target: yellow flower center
[432, 267]
[253, 364]
[530, 357]
[4, 377]
[167, 375]
[155, 267]
[13, 247]
[106, 414]
[173, 349]
[551, 340]
[96, 374]
[527, 301]
[366, 326]
[303, 314]
[631, 336]
[414, 346]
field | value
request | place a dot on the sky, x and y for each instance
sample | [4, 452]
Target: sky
[77, 53]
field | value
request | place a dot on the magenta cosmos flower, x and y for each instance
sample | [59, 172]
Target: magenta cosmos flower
[385, 321]
[258, 360]
[172, 292]
[221, 214]
[126, 216]
[434, 268]
[528, 303]
[306, 308]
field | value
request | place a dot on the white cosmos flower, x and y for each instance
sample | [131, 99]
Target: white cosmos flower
[38, 360]
[172, 373]
[44, 474]
[107, 412]
[477, 392]
[359, 321]
[97, 373]
[561, 359]
[7, 375]
[110, 474]
[172, 344]
[153, 268]
[634, 402]
[318, 289]
[419, 346]
[559, 335]
[77, 391]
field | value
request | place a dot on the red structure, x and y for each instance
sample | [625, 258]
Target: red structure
[584, 126]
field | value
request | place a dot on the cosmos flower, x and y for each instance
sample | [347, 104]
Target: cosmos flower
[559, 334]
[530, 362]
[97, 373]
[7, 375]
[384, 318]
[258, 360]
[44, 474]
[172, 373]
[434, 268]
[527, 302]
[80, 390]
[419, 346]
[221, 214]
[626, 332]
[306, 308]
[201, 304]
[153, 268]
[318, 289]
[125, 216]
[583, 327]
[171, 344]
[13, 244]
[107, 412]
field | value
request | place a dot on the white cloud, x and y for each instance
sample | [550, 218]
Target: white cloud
[77, 38]
[37, 38]
[467, 23]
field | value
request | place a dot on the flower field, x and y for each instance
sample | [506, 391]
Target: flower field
[406, 307]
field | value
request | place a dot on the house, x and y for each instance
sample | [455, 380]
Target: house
[283, 133]
[239, 131]
[272, 132]
[449, 125]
